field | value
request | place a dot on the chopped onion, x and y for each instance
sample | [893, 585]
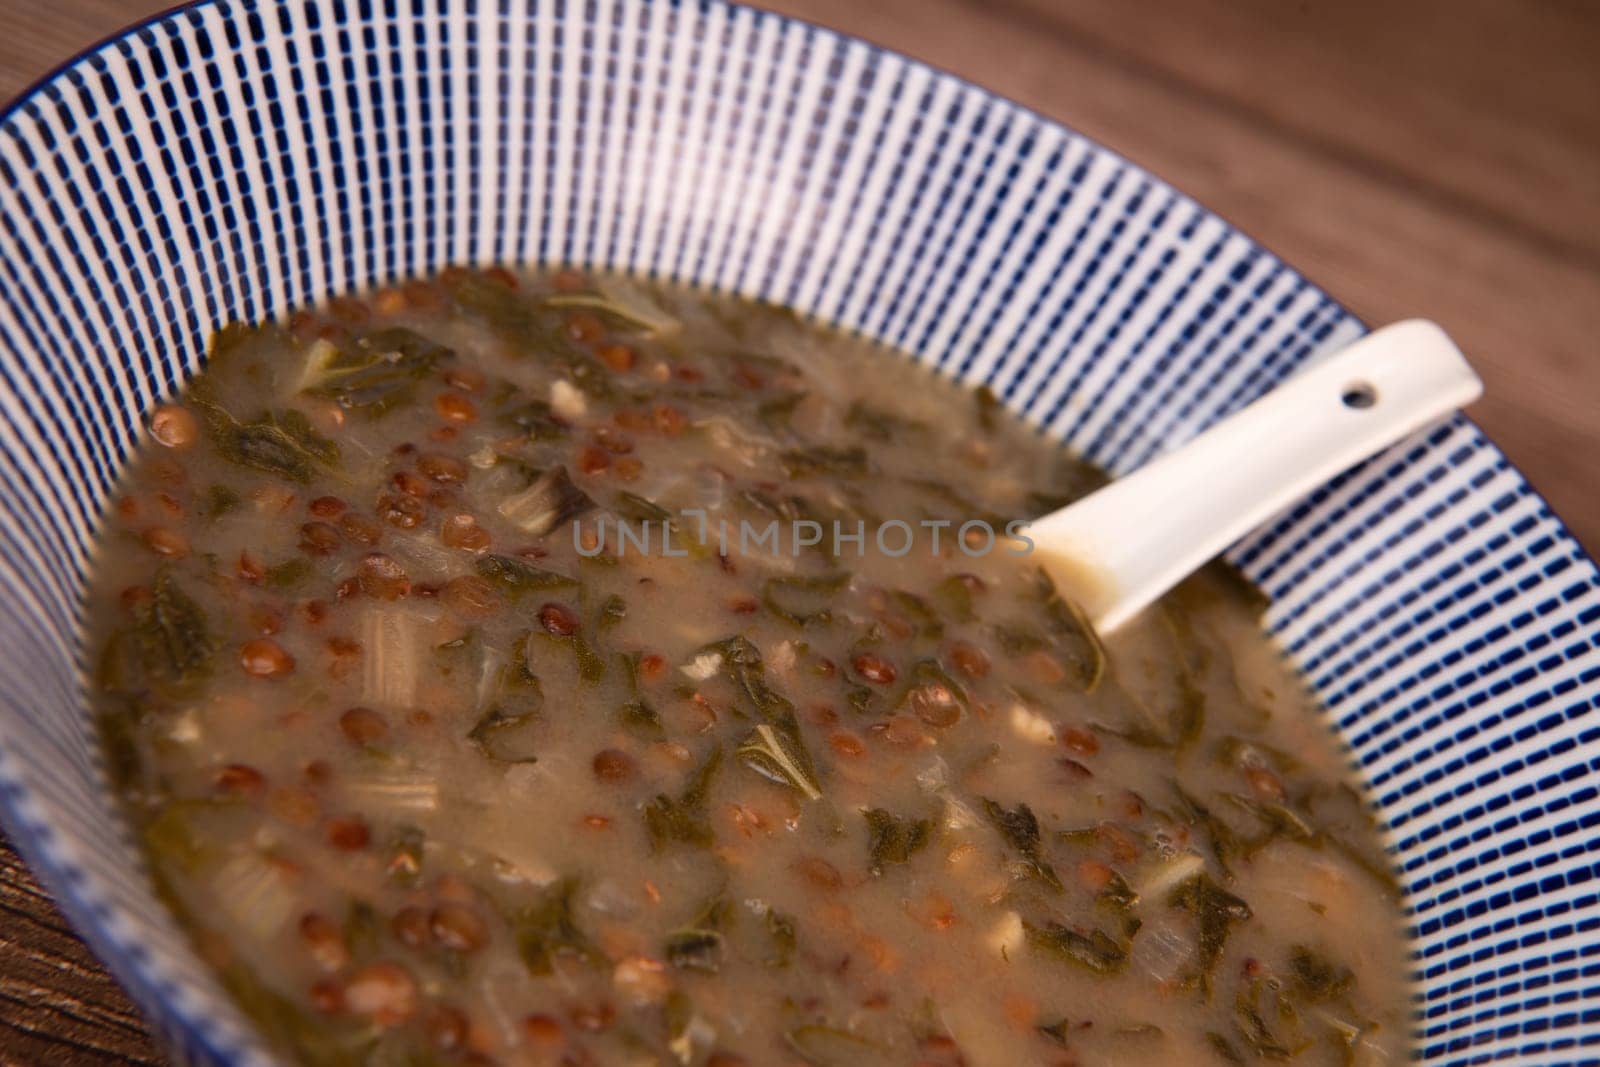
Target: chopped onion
[1006, 936]
[395, 791]
[567, 400]
[497, 991]
[185, 728]
[546, 504]
[703, 666]
[255, 893]
[1170, 874]
[395, 644]
[623, 298]
[1161, 949]
[319, 357]
[736, 440]
[426, 555]
[1031, 726]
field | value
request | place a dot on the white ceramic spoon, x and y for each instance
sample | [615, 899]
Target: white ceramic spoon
[1118, 549]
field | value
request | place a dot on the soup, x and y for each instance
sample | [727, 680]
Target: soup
[554, 669]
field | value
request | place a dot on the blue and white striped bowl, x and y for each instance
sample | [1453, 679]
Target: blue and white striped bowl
[235, 160]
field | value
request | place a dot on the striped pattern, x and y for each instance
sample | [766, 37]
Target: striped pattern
[240, 159]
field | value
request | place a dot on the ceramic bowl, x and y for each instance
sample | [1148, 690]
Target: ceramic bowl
[235, 160]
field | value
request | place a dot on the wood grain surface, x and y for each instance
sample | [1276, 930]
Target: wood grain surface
[1438, 158]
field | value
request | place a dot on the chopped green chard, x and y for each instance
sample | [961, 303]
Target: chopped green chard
[777, 752]
[377, 374]
[894, 840]
[281, 443]
[547, 931]
[515, 666]
[1020, 828]
[518, 577]
[1095, 951]
[684, 819]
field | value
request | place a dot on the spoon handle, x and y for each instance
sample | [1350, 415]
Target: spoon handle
[1120, 548]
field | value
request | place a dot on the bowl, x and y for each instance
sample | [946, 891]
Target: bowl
[235, 160]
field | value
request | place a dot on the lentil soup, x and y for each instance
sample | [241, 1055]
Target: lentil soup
[438, 766]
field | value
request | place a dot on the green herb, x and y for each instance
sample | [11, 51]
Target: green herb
[620, 299]
[1095, 951]
[637, 715]
[1225, 844]
[219, 500]
[403, 866]
[518, 690]
[612, 612]
[1056, 1032]
[363, 930]
[379, 373]
[782, 937]
[957, 596]
[1381, 873]
[591, 668]
[1316, 979]
[929, 624]
[777, 411]
[1188, 716]
[1280, 820]
[1074, 636]
[548, 930]
[1222, 1047]
[1018, 638]
[507, 738]
[861, 699]
[695, 950]
[174, 835]
[803, 600]
[1251, 1024]
[828, 1046]
[288, 574]
[988, 407]
[503, 308]
[517, 576]
[1020, 828]
[878, 425]
[282, 443]
[457, 654]
[167, 647]
[119, 738]
[699, 946]
[825, 459]
[1215, 911]
[684, 819]
[892, 839]
[1239, 589]
[743, 666]
[641, 719]
[1118, 895]
[777, 752]
[302, 1036]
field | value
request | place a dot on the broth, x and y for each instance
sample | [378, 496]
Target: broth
[524, 669]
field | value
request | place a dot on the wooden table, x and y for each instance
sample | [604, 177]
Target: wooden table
[1437, 158]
